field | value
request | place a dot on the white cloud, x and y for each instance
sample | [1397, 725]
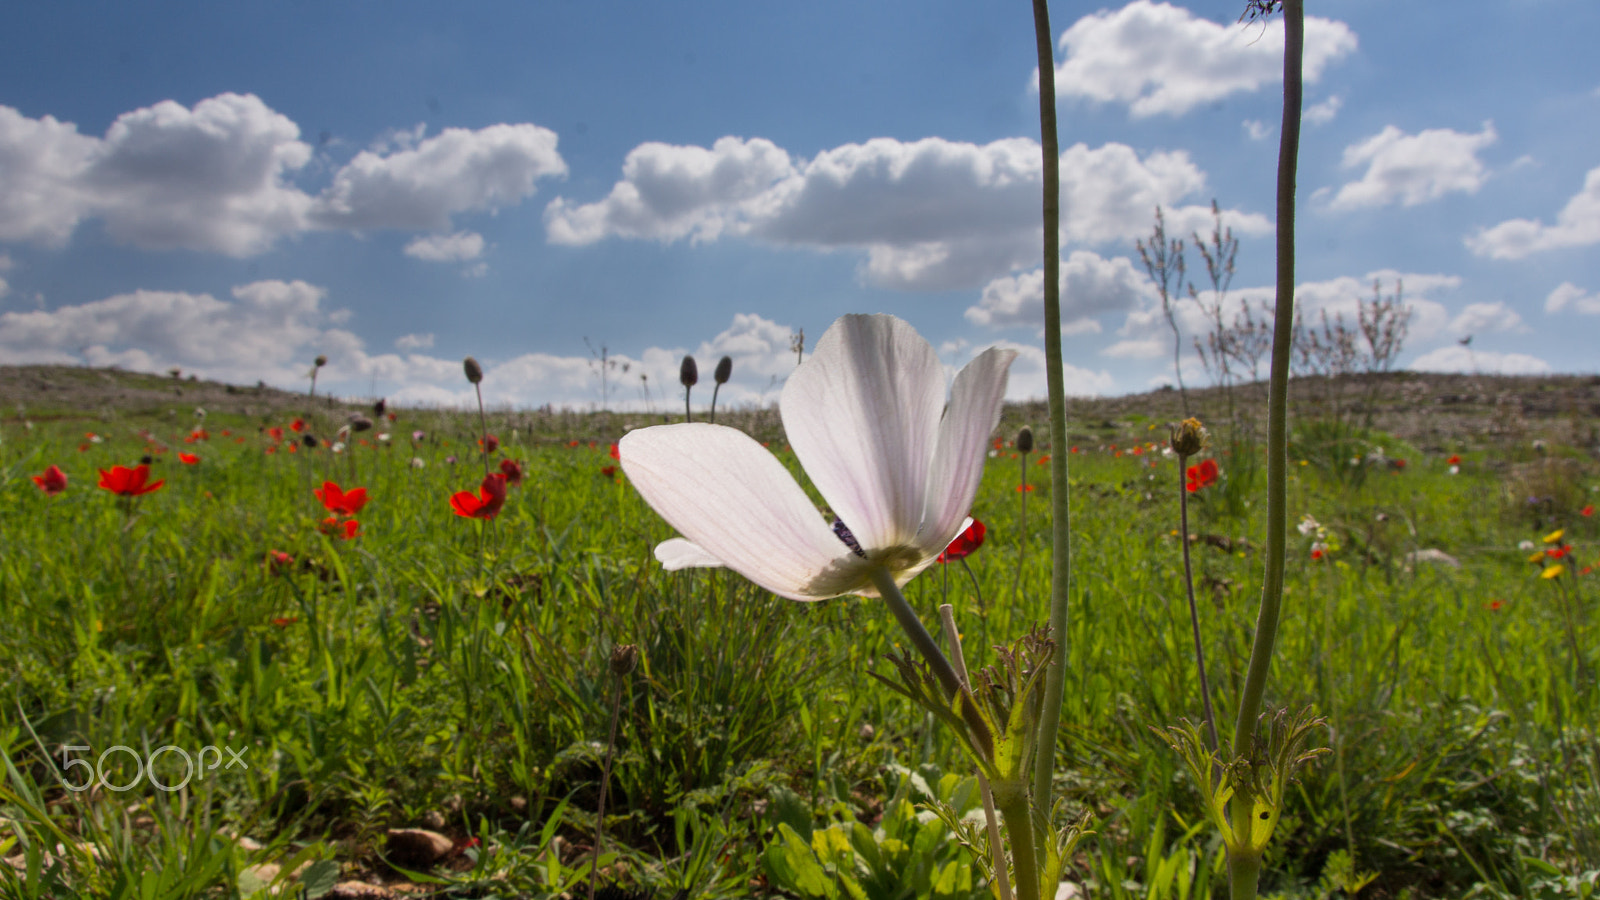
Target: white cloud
[1569, 296]
[929, 214]
[1324, 112]
[218, 178]
[1256, 130]
[407, 342]
[1456, 358]
[1090, 285]
[457, 247]
[1486, 318]
[1161, 59]
[1414, 169]
[1027, 381]
[1577, 225]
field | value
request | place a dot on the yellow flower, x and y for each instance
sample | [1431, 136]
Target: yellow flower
[1537, 557]
[1553, 572]
[1554, 537]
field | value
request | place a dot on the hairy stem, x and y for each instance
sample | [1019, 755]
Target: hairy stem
[996, 847]
[1194, 612]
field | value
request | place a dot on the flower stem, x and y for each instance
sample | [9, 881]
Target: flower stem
[1012, 801]
[996, 848]
[1022, 534]
[1055, 379]
[605, 780]
[912, 626]
[1194, 612]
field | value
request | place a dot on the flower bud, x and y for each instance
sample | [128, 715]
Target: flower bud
[1025, 439]
[624, 659]
[310, 440]
[724, 370]
[379, 407]
[688, 373]
[358, 422]
[322, 360]
[1188, 437]
[473, 370]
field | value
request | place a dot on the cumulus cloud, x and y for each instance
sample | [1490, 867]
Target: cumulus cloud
[1577, 225]
[407, 342]
[219, 177]
[1163, 60]
[1256, 130]
[1090, 285]
[458, 247]
[1324, 112]
[1027, 381]
[930, 214]
[1414, 168]
[1569, 296]
[1456, 358]
[1486, 318]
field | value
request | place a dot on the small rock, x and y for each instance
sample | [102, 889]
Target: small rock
[359, 890]
[433, 819]
[417, 847]
[1067, 890]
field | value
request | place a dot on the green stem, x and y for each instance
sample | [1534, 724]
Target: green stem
[1012, 801]
[1194, 611]
[1022, 534]
[929, 649]
[1278, 390]
[1060, 526]
[1244, 872]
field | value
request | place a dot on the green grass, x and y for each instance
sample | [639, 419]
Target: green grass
[437, 668]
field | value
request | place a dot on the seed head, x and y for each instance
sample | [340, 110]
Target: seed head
[688, 373]
[358, 422]
[624, 659]
[309, 439]
[1188, 437]
[724, 370]
[322, 360]
[1025, 439]
[473, 370]
[379, 407]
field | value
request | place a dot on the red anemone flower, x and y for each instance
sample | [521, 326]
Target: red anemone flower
[1202, 475]
[188, 459]
[285, 621]
[489, 443]
[52, 482]
[346, 530]
[608, 471]
[491, 496]
[1558, 552]
[1453, 461]
[617, 455]
[126, 482]
[571, 444]
[337, 501]
[1024, 488]
[275, 433]
[965, 542]
[1587, 511]
[1494, 605]
[512, 470]
[297, 426]
[278, 561]
[1043, 460]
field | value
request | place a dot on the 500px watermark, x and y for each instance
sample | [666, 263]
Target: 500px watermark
[146, 766]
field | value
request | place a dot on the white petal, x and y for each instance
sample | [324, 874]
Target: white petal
[963, 436]
[862, 414]
[736, 503]
[681, 554]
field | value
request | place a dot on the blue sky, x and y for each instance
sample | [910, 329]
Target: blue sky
[235, 188]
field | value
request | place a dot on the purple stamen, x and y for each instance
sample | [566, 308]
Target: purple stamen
[843, 533]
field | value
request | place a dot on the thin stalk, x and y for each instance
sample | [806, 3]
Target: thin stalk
[483, 429]
[975, 588]
[1022, 533]
[1060, 526]
[928, 649]
[714, 390]
[605, 780]
[996, 847]
[687, 416]
[1278, 391]
[1194, 612]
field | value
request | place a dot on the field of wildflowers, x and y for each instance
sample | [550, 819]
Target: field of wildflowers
[409, 628]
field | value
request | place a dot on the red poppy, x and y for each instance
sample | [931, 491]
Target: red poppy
[999, 443]
[392, 417]
[1202, 475]
[617, 454]
[1138, 451]
[52, 482]
[1044, 460]
[293, 447]
[492, 496]
[278, 561]
[188, 459]
[83, 448]
[337, 501]
[285, 621]
[226, 433]
[1074, 449]
[1453, 461]
[965, 542]
[297, 426]
[1317, 554]
[272, 449]
[489, 443]
[571, 444]
[1494, 605]
[1587, 511]
[1558, 552]
[608, 471]
[126, 482]
[332, 527]
[275, 433]
[199, 434]
[512, 470]
[1024, 488]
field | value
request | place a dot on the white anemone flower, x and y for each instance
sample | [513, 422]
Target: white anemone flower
[867, 416]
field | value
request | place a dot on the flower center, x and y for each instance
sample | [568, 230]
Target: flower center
[842, 531]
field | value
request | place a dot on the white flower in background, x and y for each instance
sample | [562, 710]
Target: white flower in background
[1455, 470]
[96, 439]
[338, 446]
[199, 412]
[417, 463]
[383, 437]
[1525, 546]
[866, 415]
[1308, 526]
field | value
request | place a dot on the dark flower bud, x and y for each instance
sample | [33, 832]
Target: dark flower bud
[322, 360]
[688, 373]
[624, 659]
[310, 440]
[1025, 439]
[473, 370]
[724, 370]
[358, 422]
[145, 460]
[379, 407]
[1188, 437]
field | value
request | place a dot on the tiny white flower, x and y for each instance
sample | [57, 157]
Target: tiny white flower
[338, 446]
[1455, 470]
[199, 412]
[383, 437]
[96, 439]
[867, 416]
[1307, 525]
[1525, 546]
[417, 463]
